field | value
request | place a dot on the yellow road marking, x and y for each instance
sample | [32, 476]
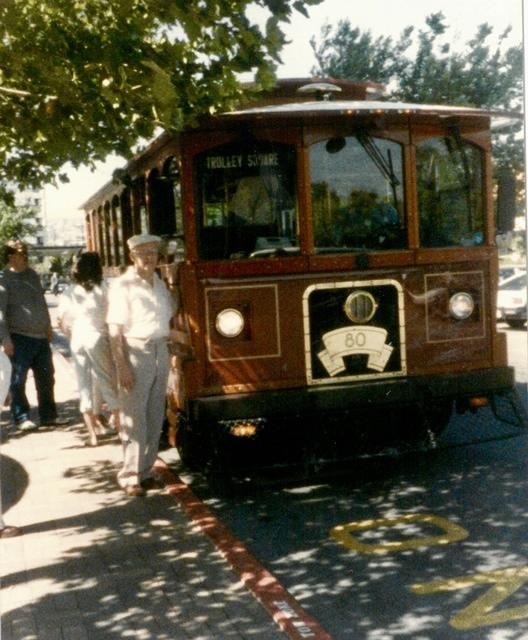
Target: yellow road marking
[480, 612]
[344, 533]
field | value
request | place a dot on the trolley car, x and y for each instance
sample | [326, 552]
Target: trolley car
[334, 259]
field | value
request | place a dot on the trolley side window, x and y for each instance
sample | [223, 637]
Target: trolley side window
[357, 194]
[450, 193]
[245, 195]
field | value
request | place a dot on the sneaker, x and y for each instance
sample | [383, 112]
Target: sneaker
[26, 425]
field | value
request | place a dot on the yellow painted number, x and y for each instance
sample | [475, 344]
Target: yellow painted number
[481, 612]
[347, 534]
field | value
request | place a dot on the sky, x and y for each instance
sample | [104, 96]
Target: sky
[382, 17]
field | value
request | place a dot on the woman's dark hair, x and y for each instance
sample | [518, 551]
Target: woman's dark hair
[87, 270]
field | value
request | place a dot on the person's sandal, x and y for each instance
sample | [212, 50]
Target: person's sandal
[10, 532]
[103, 429]
[92, 442]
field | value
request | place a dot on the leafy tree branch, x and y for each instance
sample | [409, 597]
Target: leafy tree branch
[80, 79]
[421, 66]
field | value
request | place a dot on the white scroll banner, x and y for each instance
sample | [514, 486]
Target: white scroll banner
[349, 341]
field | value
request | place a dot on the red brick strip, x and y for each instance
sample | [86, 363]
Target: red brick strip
[281, 605]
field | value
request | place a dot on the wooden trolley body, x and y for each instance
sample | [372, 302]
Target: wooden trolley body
[327, 312]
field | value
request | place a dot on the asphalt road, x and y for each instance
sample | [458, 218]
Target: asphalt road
[427, 545]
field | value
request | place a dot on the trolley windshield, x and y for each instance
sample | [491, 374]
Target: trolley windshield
[247, 201]
[357, 194]
[450, 192]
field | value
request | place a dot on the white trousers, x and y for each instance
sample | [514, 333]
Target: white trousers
[93, 364]
[143, 409]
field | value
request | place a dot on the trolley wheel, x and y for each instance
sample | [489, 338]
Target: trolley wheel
[187, 443]
[437, 416]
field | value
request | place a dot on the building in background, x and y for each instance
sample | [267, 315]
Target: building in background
[52, 231]
[34, 201]
[55, 240]
[64, 232]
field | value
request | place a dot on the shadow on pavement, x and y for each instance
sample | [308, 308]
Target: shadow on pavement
[18, 482]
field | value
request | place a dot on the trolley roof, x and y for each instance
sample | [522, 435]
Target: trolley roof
[293, 98]
[372, 107]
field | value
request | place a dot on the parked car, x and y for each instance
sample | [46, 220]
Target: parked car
[511, 300]
[506, 272]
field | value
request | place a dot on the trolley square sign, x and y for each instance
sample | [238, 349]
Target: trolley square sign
[241, 161]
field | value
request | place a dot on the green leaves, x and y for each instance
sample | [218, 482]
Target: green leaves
[423, 67]
[80, 79]
[15, 222]
[347, 52]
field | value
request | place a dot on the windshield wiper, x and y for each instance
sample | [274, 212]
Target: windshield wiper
[385, 165]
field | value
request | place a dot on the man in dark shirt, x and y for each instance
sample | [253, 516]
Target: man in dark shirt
[25, 332]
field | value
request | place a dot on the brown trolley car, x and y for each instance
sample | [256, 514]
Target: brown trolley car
[334, 258]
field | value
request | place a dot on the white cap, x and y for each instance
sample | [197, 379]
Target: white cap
[142, 238]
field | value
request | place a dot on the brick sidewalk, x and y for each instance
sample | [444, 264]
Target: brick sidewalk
[94, 564]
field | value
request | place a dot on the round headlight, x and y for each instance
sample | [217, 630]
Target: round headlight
[229, 323]
[461, 305]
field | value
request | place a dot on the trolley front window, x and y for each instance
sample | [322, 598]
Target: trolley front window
[245, 196]
[450, 188]
[357, 194]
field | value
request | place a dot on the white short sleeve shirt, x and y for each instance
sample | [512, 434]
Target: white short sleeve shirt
[144, 311]
[84, 312]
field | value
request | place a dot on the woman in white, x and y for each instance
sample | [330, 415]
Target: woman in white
[82, 313]
[6, 531]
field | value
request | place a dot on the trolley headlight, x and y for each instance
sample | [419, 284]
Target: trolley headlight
[461, 305]
[229, 323]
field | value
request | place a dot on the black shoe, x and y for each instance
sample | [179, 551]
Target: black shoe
[57, 422]
[164, 444]
[152, 483]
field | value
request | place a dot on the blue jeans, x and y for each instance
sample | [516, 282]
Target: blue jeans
[35, 354]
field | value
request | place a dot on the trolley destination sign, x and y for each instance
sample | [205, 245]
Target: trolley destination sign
[250, 160]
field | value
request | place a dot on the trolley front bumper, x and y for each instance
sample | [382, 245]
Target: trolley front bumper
[382, 393]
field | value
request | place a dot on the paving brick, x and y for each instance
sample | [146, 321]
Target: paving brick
[23, 627]
[94, 564]
[76, 631]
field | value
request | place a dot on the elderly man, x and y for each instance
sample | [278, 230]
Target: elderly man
[25, 332]
[140, 309]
